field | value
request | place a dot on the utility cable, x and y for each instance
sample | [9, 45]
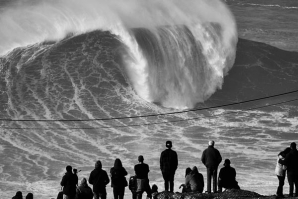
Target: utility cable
[152, 115]
[165, 122]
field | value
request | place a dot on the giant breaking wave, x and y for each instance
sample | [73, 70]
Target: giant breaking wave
[177, 51]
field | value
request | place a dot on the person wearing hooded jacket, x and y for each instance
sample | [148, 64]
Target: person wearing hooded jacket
[99, 179]
[83, 190]
[211, 158]
[227, 177]
[119, 182]
[291, 161]
[280, 171]
[19, 195]
[168, 166]
[69, 182]
[195, 181]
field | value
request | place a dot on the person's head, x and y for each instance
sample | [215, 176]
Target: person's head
[19, 194]
[68, 168]
[154, 188]
[117, 163]
[293, 145]
[194, 170]
[83, 182]
[285, 152]
[227, 163]
[29, 196]
[75, 171]
[187, 171]
[211, 143]
[141, 159]
[168, 144]
[98, 164]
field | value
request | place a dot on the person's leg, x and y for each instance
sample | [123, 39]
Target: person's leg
[134, 195]
[219, 185]
[148, 190]
[214, 175]
[208, 180]
[139, 195]
[171, 181]
[115, 193]
[121, 192]
[281, 182]
[166, 181]
[296, 185]
[95, 195]
[291, 184]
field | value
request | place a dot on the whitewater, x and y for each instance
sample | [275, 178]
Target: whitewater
[210, 23]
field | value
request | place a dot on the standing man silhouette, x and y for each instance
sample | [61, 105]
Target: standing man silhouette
[168, 166]
[211, 158]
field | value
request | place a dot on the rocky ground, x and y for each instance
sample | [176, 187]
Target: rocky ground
[235, 194]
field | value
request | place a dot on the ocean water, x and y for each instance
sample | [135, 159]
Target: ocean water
[88, 81]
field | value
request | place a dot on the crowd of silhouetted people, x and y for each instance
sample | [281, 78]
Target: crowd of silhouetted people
[71, 188]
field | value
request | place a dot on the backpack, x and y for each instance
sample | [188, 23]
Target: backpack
[133, 183]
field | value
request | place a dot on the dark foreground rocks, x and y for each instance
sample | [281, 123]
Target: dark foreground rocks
[231, 193]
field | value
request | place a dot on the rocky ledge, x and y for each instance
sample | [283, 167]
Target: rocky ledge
[231, 193]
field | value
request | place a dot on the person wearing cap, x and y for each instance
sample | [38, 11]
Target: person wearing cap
[168, 166]
[211, 158]
[141, 171]
[291, 161]
[99, 179]
[227, 177]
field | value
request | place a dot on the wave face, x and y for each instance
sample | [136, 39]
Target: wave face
[196, 44]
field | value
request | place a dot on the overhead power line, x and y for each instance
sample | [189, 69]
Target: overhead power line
[158, 123]
[150, 115]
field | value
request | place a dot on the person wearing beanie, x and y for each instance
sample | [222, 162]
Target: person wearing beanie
[227, 177]
[211, 158]
[69, 182]
[99, 179]
[142, 171]
[291, 162]
[168, 166]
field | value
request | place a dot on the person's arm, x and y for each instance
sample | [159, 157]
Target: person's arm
[219, 158]
[176, 161]
[284, 161]
[90, 180]
[124, 171]
[161, 161]
[203, 158]
[107, 179]
[63, 181]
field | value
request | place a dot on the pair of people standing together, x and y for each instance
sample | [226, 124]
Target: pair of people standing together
[287, 161]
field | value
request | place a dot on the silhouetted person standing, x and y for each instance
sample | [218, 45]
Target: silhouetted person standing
[142, 171]
[291, 161]
[119, 182]
[168, 166]
[69, 182]
[99, 179]
[211, 158]
[227, 177]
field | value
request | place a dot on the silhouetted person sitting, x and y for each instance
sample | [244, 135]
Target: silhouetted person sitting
[227, 177]
[142, 171]
[119, 182]
[168, 166]
[291, 161]
[194, 181]
[184, 187]
[83, 190]
[29, 196]
[99, 179]
[154, 191]
[69, 182]
[18, 195]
